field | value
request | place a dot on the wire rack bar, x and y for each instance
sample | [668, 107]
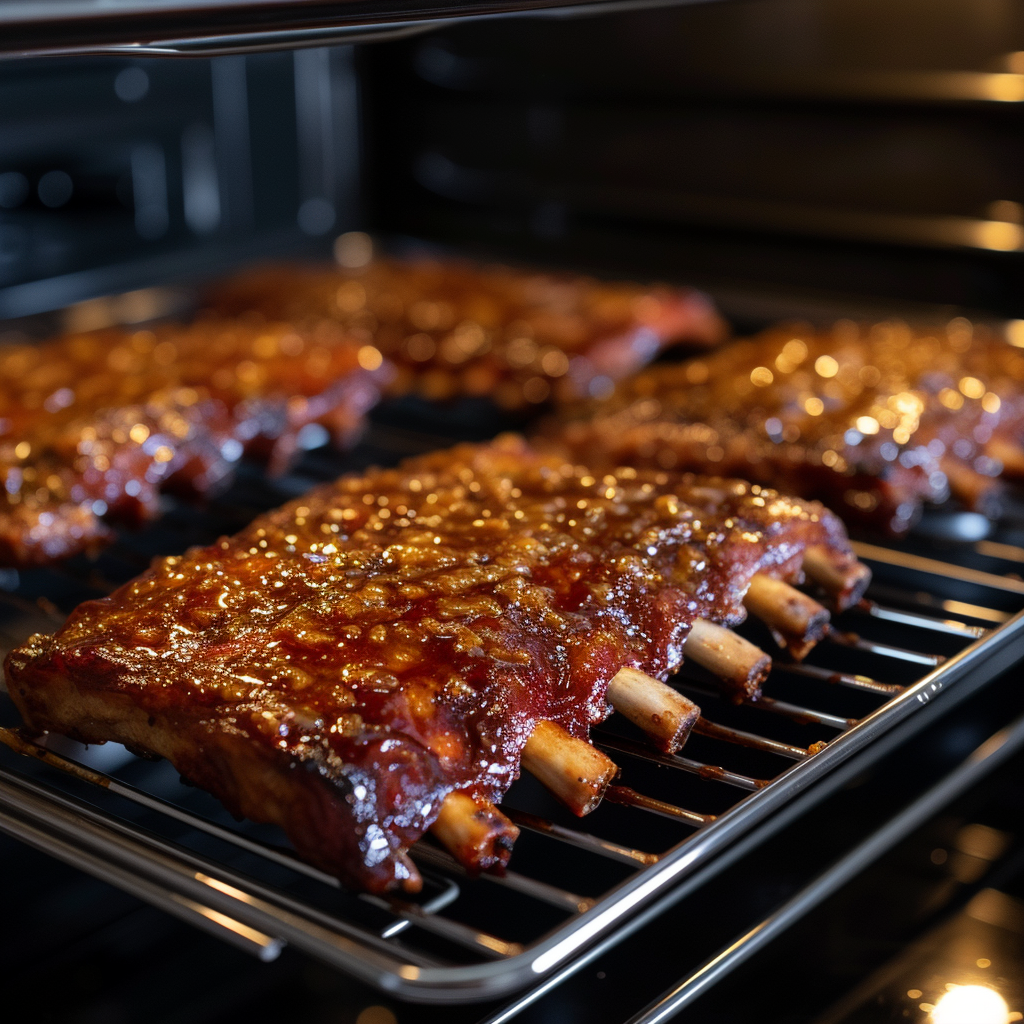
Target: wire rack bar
[592, 844]
[947, 606]
[631, 798]
[221, 925]
[538, 890]
[1004, 552]
[532, 887]
[806, 716]
[208, 883]
[933, 567]
[750, 739]
[886, 614]
[860, 643]
[827, 675]
[454, 931]
[706, 771]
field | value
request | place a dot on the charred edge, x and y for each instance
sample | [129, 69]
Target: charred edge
[797, 621]
[475, 833]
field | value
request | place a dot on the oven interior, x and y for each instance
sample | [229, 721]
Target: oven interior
[794, 159]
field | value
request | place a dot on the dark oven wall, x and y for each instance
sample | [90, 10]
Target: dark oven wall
[118, 174]
[859, 147]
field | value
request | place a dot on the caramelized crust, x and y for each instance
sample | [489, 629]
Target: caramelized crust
[873, 421]
[347, 661]
[453, 329]
[92, 426]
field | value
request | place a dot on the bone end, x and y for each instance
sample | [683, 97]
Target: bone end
[663, 713]
[840, 575]
[741, 667]
[475, 833]
[573, 770]
[797, 621]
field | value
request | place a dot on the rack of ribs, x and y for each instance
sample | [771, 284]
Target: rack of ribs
[874, 421]
[380, 657]
[454, 329]
[93, 425]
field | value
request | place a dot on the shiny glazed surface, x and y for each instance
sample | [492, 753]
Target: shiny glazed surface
[519, 337]
[93, 425]
[395, 636]
[872, 420]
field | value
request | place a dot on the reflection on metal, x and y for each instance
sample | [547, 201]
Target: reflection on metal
[455, 181]
[77, 27]
[200, 184]
[1015, 333]
[315, 129]
[971, 1004]
[999, 909]
[933, 567]
[792, 218]
[232, 144]
[149, 190]
[873, 86]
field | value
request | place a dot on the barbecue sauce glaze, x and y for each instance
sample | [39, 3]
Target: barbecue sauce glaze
[872, 421]
[454, 329]
[93, 425]
[394, 636]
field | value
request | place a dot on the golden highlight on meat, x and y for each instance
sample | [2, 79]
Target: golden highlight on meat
[93, 426]
[872, 420]
[380, 656]
[520, 337]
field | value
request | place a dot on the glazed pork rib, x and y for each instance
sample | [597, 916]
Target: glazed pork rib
[454, 329]
[873, 421]
[92, 426]
[379, 657]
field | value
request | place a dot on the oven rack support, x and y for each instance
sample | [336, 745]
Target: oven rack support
[261, 917]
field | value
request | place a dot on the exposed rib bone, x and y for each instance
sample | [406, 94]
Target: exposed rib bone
[663, 713]
[977, 491]
[572, 769]
[1011, 455]
[797, 621]
[843, 578]
[475, 833]
[737, 663]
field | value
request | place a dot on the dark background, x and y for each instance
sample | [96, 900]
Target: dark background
[783, 153]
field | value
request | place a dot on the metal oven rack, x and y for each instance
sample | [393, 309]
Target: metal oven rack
[931, 631]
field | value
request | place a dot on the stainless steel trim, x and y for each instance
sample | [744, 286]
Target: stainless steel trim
[179, 28]
[254, 42]
[985, 759]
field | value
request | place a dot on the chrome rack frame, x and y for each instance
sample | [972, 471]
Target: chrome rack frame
[985, 759]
